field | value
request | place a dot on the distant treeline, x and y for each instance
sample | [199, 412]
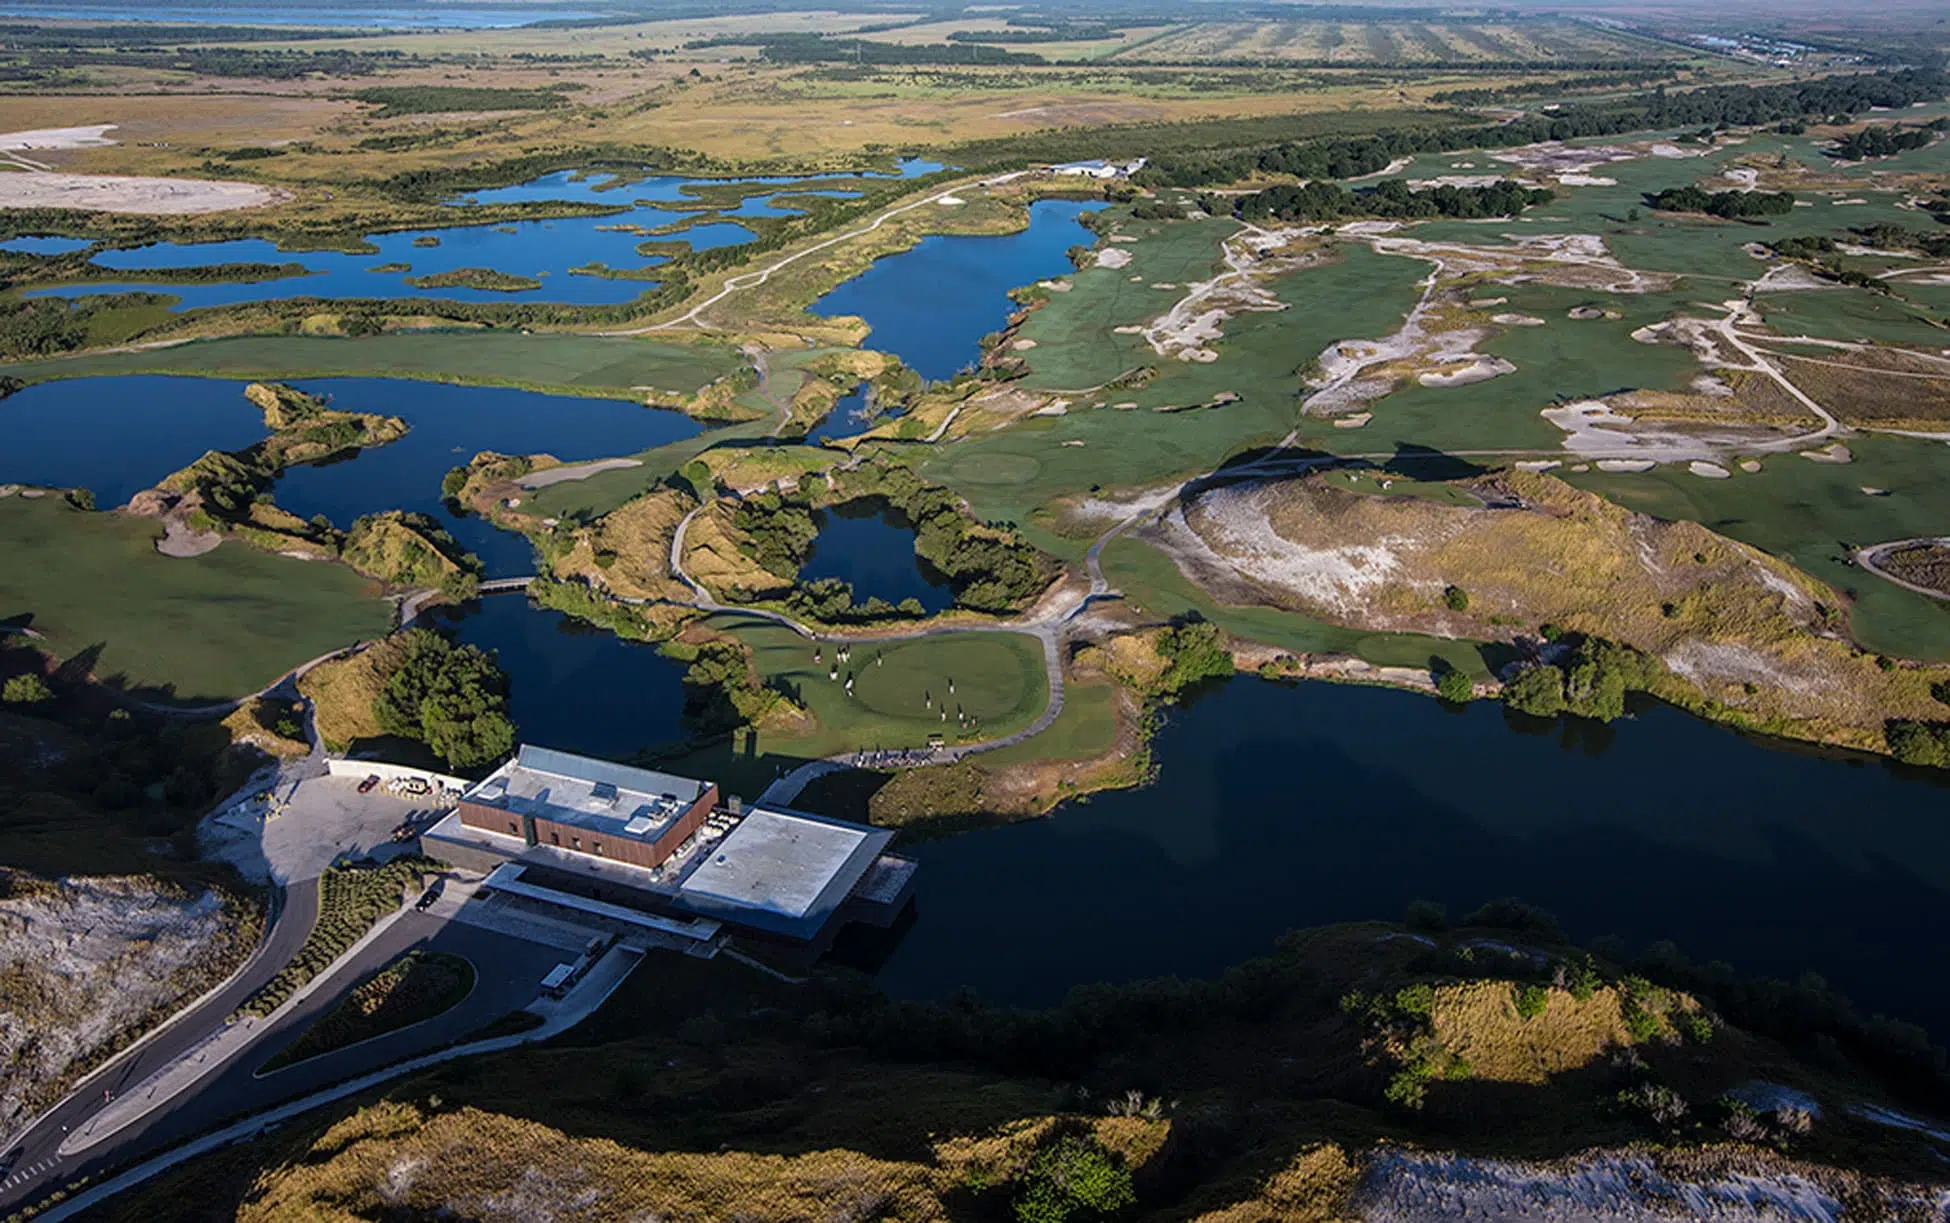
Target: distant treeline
[819, 49]
[1318, 201]
[1537, 89]
[1730, 205]
[221, 61]
[1723, 105]
[151, 36]
[437, 99]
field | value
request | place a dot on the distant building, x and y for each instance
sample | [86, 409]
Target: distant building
[1099, 168]
[666, 855]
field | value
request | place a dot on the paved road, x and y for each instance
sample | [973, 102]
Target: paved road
[509, 971]
[39, 1163]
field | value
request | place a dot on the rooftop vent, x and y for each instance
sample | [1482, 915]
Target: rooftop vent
[604, 792]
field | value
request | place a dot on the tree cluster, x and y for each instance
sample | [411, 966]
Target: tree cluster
[1590, 681]
[779, 529]
[1884, 141]
[1727, 205]
[452, 698]
[1394, 199]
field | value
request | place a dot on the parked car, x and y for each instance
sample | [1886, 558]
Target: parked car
[372, 779]
[432, 894]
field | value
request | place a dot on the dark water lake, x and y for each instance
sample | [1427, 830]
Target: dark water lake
[932, 304]
[418, 17]
[118, 436]
[571, 685]
[872, 547]
[545, 250]
[1288, 806]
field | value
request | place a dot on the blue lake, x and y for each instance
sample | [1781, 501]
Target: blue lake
[46, 246]
[932, 304]
[118, 436]
[1280, 807]
[548, 251]
[850, 417]
[873, 549]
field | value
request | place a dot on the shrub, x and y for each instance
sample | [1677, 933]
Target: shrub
[1657, 1103]
[1537, 691]
[1532, 1000]
[1074, 1179]
[1455, 598]
[1455, 687]
[1426, 915]
[29, 689]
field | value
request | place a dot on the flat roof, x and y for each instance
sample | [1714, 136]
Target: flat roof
[784, 871]
[601, 796]
[507, 878]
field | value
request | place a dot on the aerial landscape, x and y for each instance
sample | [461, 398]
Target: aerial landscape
[1056, 611]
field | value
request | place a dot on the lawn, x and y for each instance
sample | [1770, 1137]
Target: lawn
[998, 679]
[213, 627]
[617, 367]
[1811, 514]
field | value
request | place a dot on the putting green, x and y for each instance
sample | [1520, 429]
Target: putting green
[976, 676]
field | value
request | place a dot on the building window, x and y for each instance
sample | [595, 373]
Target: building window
[576, 842]
[598, 845]
[513, 828]
[555, 838]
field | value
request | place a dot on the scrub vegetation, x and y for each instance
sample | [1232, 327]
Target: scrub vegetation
[416, 987]
[351, 900]
[719, 1094]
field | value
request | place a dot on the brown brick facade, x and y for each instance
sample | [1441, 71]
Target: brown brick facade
[540, 830]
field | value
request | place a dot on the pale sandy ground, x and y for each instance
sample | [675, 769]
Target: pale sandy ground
[44, 187]
[124, 193]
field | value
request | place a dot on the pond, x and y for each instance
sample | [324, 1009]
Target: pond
[850, 417]
[1280, 807]
[932, 304]
[118, 436]
[571, 685]
[871, 546]
[544, 250]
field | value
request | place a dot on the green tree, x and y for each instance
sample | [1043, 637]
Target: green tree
[1455, 598]
[29, 689]
[1455, 687]
[452, 698]
[1538, 691]
[1074, 1180]
[1196, 651]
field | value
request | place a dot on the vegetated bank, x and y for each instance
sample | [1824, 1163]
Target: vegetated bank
[1354, 1068]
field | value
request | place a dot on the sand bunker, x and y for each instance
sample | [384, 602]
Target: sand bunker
[1575, 179]
[1353, 422]
[1113, 258]
[1834, 452]
[1517, 320]
[1708, 471]
[1480, 370]
[124, 193]
[1626, 464]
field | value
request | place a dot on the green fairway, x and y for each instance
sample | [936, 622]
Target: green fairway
[1085, 730]
[205, 629]
[1811, 514]
[614, 367]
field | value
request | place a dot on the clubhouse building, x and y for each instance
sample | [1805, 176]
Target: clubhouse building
[669, 854]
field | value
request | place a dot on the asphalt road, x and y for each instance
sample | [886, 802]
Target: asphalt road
[508, 973]
[32, 1163]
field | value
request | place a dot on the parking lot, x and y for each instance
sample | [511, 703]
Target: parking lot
[303, 828]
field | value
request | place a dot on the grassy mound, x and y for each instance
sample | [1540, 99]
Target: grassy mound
[1741, 634]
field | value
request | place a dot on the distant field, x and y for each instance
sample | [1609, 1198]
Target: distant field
[1389, 42]
[574, 364]
[218, 626]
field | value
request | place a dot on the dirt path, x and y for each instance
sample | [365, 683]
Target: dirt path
[1869, 559]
